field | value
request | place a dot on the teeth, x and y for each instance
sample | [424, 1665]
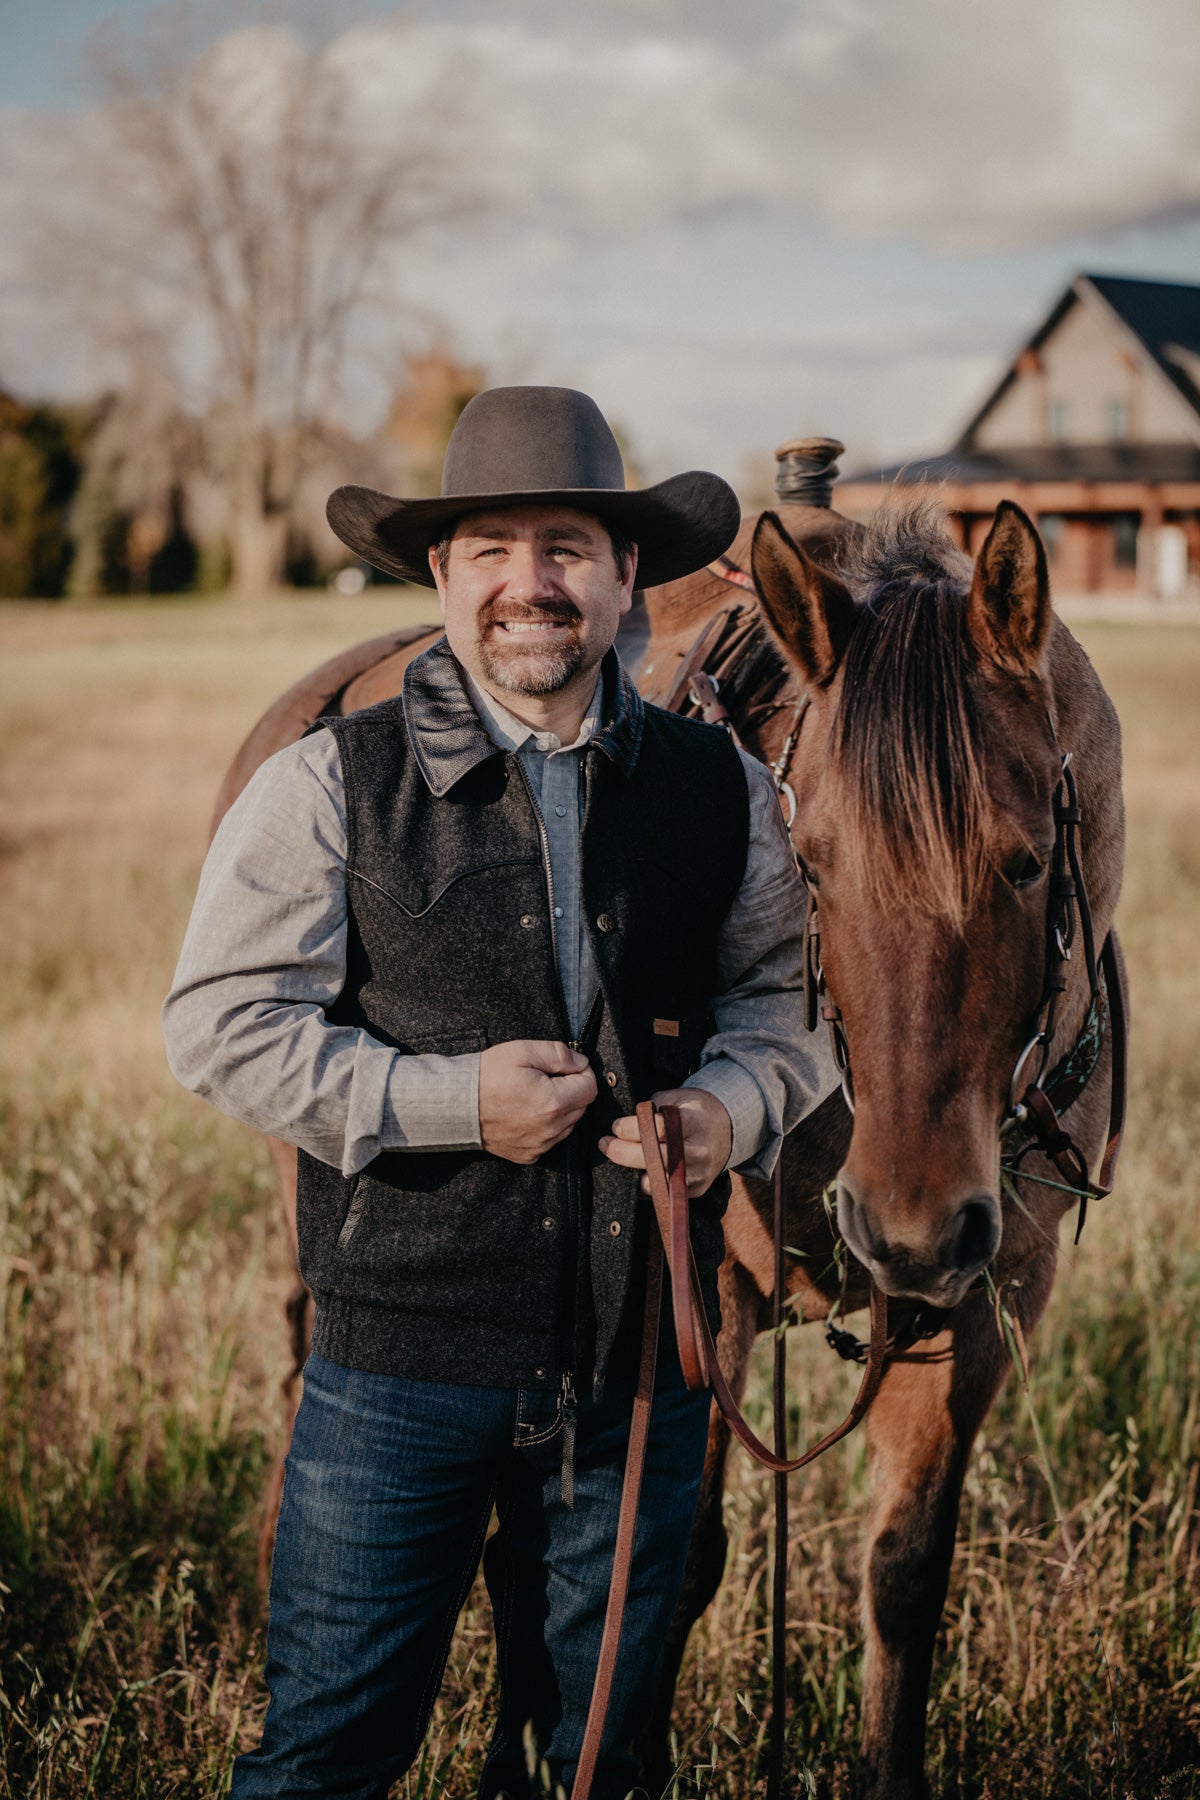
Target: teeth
[511, 625]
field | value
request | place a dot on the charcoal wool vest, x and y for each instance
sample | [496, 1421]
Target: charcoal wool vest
[455, 1265]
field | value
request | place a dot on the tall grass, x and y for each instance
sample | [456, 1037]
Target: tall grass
[142, 1276]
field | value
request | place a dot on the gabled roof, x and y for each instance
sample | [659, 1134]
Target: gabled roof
[1161, 317]
[1152, 463]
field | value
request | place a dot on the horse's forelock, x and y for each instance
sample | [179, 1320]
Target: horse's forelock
[907, 737]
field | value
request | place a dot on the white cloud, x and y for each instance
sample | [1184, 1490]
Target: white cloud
[1008, 122]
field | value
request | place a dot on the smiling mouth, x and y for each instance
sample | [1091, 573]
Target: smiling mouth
[519, 626]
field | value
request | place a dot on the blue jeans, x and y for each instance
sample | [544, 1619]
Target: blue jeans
[388, 1493]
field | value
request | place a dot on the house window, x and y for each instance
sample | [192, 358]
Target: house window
[1118, 421]
[1058, 421]
[1125, 537]
[1051, 527]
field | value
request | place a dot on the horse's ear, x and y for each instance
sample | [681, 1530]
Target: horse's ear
[808, 609]
[1008, 612]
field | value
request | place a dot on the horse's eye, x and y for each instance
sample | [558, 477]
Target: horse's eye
[808, 873]
[1022, 870]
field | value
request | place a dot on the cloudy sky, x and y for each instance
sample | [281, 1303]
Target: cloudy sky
[735, 223]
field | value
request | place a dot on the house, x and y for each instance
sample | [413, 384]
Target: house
[1095, 430]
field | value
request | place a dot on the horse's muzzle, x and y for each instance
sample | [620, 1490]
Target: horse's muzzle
[936, 1263]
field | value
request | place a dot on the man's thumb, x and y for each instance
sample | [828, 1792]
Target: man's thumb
[556, 1058]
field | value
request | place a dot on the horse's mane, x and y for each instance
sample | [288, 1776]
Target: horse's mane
[908, 737]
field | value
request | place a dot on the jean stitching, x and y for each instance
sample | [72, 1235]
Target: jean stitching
[534, 1437]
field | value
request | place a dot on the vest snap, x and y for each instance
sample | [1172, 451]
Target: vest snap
[614, 1228]
[606, 923]
[610, 1075]
[547, 1224]
[527, 921]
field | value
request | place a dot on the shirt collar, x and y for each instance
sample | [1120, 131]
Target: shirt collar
[450, 734]
[510, 733]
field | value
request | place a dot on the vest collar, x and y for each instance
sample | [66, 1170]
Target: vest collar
[447, 734]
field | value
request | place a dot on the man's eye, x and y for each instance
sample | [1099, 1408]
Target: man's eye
[562, 550]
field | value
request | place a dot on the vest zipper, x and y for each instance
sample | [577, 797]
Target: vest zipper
[567, 1401]
[549, 874]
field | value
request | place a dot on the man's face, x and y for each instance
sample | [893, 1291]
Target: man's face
[532, 597]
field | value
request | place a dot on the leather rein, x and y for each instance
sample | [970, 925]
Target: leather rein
[671, 1254]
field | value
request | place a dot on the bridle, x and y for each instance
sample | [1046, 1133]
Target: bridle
[1035, 1100]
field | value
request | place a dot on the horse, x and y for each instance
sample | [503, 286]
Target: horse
[917, 709]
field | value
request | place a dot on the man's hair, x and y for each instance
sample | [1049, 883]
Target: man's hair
[622, 546]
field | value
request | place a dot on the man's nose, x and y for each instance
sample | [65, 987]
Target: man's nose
[531, 573]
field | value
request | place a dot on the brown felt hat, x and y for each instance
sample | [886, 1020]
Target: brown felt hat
[517, 446]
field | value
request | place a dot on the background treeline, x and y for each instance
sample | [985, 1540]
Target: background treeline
[117, 496]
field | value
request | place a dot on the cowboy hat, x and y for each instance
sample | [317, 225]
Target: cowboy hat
[516, 446]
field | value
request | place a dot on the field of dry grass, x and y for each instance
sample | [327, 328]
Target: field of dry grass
[142, 1275]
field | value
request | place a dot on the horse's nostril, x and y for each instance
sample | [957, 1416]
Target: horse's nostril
[972, 1237]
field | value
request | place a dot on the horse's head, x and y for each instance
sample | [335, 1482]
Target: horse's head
[924, 777]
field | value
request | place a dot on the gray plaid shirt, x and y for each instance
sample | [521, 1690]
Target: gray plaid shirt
[265, 954]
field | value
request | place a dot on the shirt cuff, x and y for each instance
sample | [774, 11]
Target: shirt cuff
[742, 1099]
[432, 1103]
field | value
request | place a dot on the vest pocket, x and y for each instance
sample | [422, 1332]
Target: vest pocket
[354, 1211]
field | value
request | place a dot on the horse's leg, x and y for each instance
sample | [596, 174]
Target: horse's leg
[740, 1306]
[921, 1428]
[298, 1312]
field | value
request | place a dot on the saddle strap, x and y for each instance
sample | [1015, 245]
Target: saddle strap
[670, 1244]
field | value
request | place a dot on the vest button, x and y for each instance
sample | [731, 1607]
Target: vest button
[614, 1228]
[606, 923]
[539, 1374]
[527, 921]
[610, 1075]
[547, 1224]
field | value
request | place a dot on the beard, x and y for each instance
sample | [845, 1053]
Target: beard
[517, 662]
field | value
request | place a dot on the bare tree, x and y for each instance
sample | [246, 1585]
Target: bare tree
[244, 205]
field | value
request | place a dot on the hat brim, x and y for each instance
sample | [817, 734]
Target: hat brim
[678, 526]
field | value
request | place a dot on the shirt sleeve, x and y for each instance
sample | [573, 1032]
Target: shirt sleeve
[245, 1021]
[765, 1067]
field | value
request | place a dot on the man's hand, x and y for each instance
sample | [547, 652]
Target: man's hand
[707, 1138]
[531, 1093]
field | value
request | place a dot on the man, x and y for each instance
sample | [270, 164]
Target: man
[445, 946]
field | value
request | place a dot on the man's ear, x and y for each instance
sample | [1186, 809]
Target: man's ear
[629, 582]
[808, 609]
[439, 580]
[1008, 611]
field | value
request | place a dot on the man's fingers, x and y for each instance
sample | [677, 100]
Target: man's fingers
[551, 1057]
[628, 1127]
[575, 1093]
[625, 1155]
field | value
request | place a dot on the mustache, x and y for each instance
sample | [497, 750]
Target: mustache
[507, 612]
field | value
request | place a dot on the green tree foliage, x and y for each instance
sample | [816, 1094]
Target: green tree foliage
[40, 466]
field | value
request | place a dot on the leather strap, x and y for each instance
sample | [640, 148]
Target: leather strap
[668, 1190]
[631, 1490]
[666, 1171]
[1119, 1026]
